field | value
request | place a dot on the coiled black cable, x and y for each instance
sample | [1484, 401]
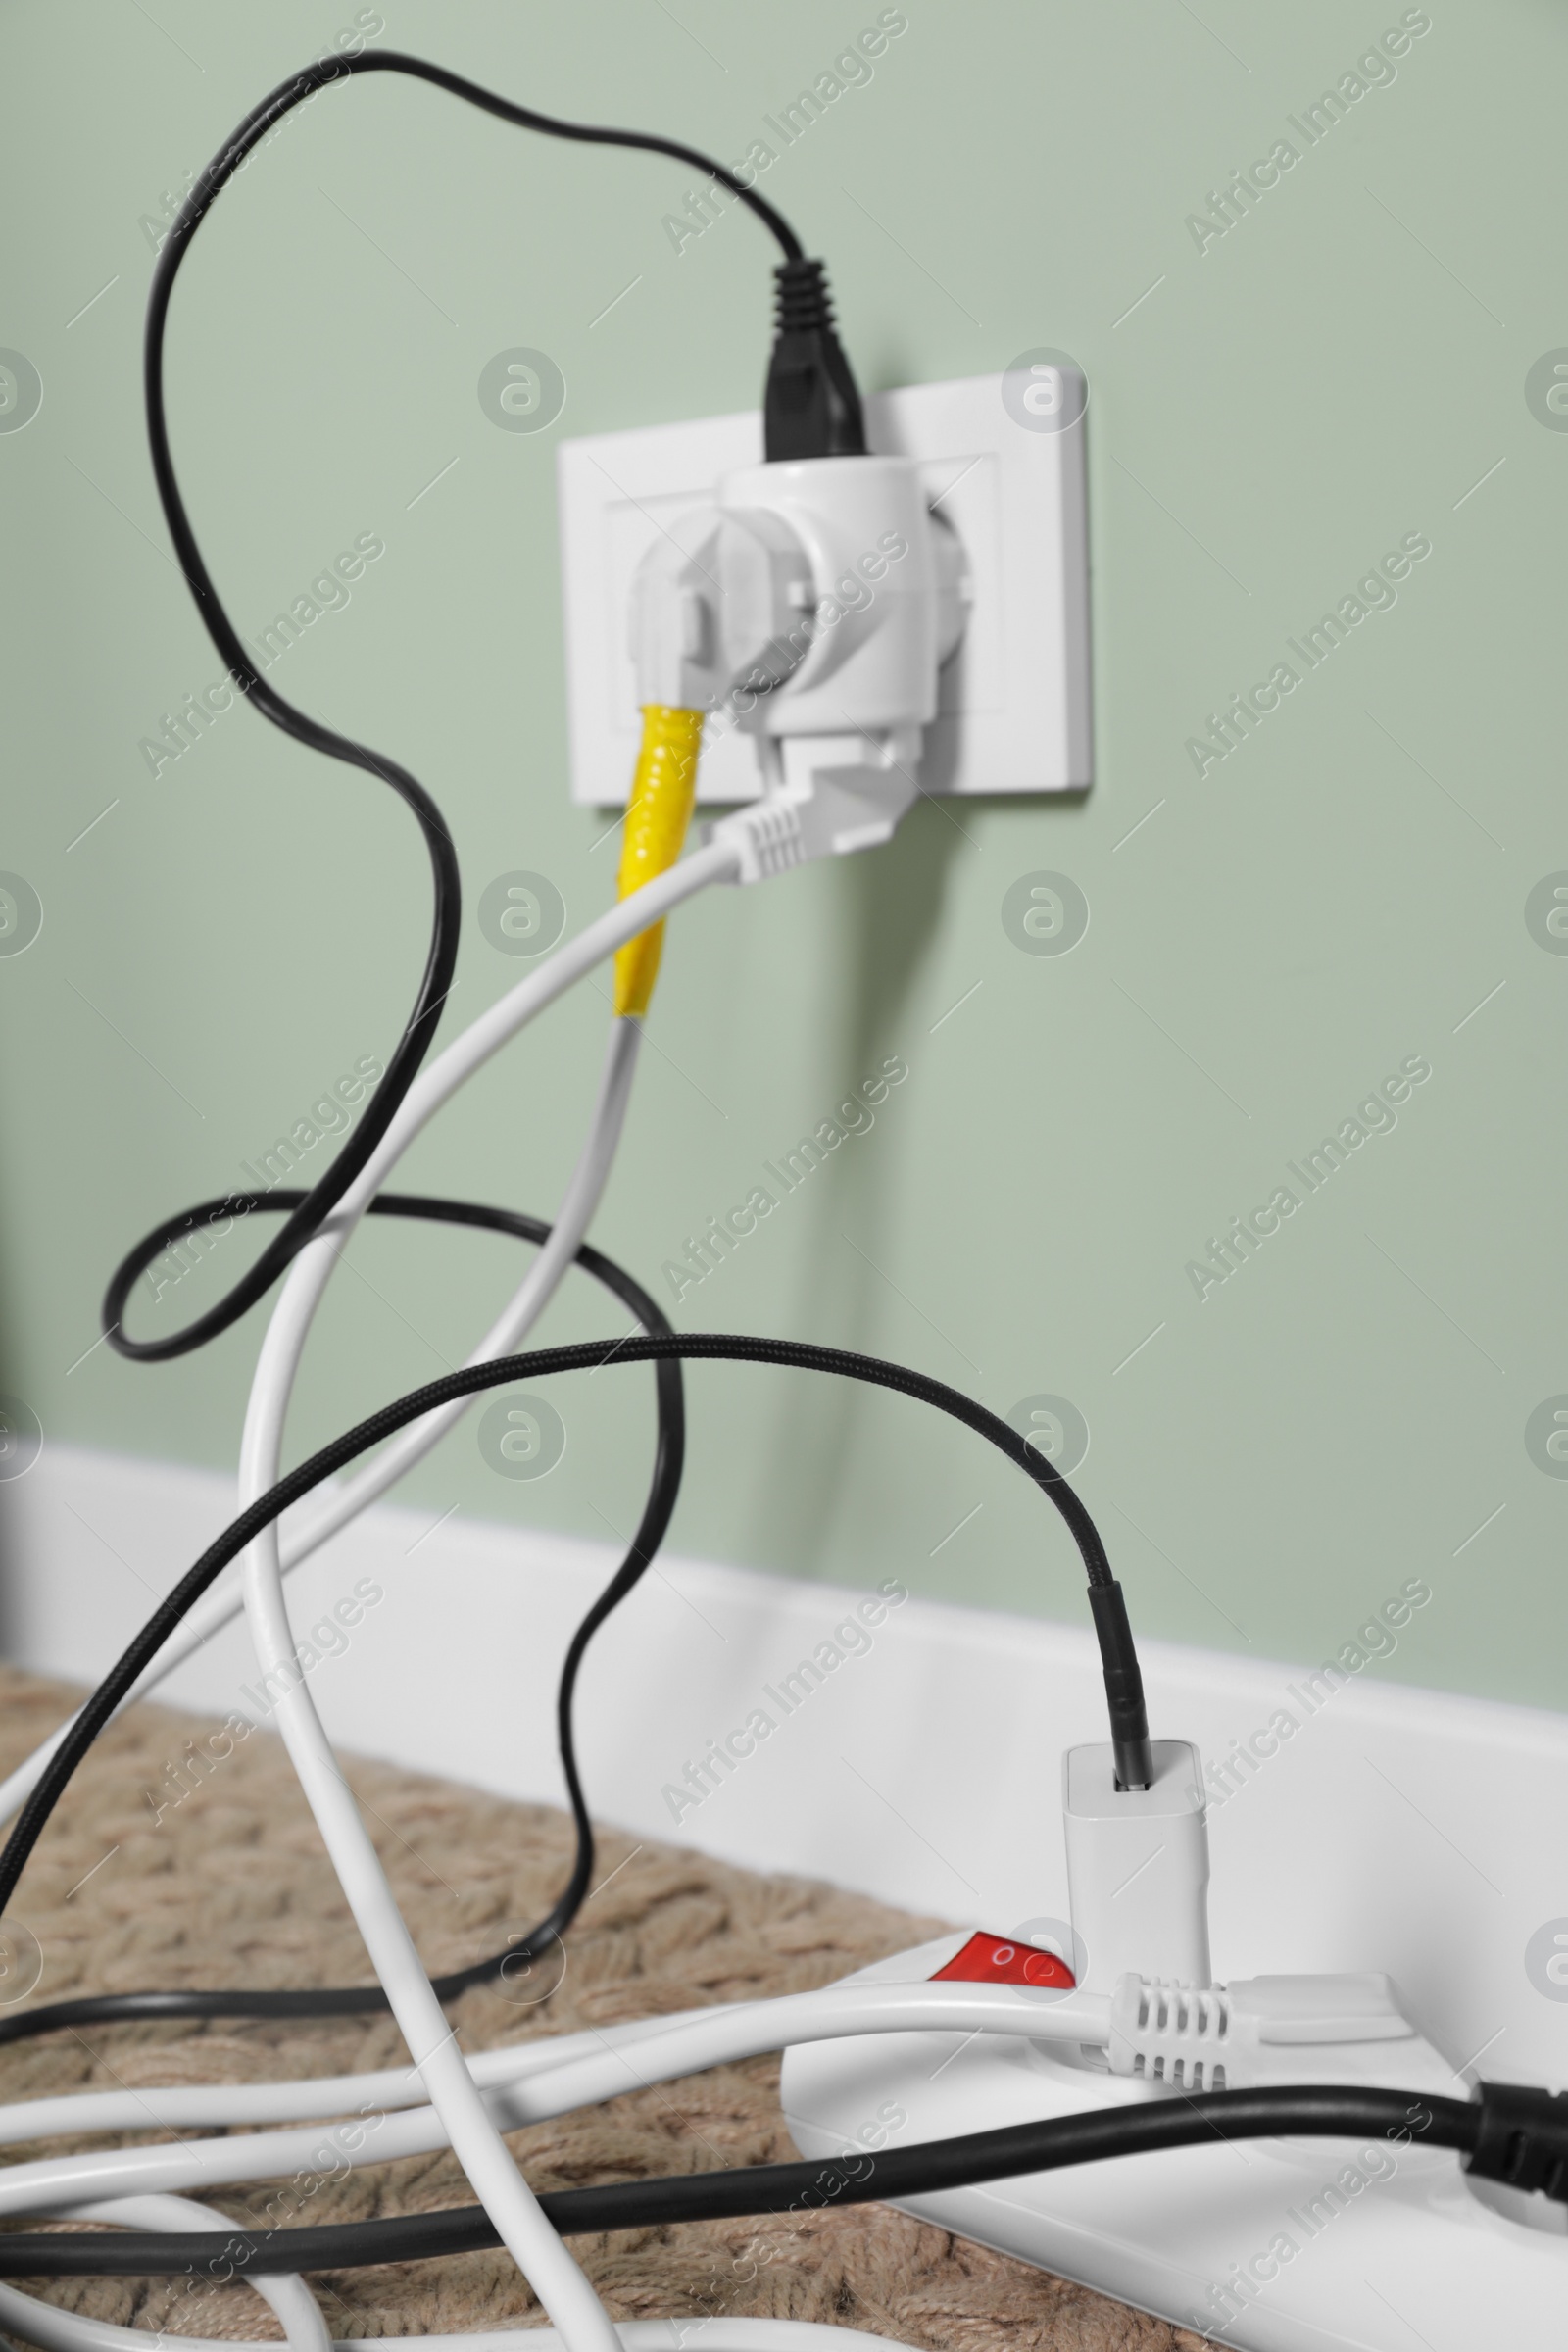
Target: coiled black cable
[119, 2008]
[1124, 1690]
[1317, 2111]
[314, 1206]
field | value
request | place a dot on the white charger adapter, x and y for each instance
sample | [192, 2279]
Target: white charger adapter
[1137, 1867]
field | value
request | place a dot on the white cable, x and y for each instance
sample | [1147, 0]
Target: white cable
[459, 2103]
[624, 2062]
[521, 1312]
[429, 1091]
[304, 2328]
[544, 2259]
[215, 2105]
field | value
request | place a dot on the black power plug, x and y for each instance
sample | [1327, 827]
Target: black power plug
[812, 407]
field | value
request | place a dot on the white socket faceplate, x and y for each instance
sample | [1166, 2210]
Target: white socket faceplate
[1013, 711]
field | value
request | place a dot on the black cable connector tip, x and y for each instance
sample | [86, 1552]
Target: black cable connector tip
[1131, 1752]
[811, 406]
[1523, 2138]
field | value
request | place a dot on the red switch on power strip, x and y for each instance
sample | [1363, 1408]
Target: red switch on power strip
[993, 1960]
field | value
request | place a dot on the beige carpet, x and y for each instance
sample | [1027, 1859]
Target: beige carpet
[232, 1886]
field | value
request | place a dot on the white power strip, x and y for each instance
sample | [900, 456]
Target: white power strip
[1269, 2245]
[1280, 2245]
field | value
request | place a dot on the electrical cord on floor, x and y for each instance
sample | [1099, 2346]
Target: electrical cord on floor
[1501, 2115]
[812, 409]
[528, 2081]
[663, 1490]
[1123, 1685]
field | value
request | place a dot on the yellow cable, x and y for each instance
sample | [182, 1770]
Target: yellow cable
[658, 813]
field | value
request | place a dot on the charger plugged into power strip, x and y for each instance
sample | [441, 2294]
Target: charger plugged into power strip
[1282, 2246]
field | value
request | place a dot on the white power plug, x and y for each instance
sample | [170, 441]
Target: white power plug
[811, 607]
[1270, 2030]
[711, 603]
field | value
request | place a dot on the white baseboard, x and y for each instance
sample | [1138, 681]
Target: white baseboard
[1394, 1829]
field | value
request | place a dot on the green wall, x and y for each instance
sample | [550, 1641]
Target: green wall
[1343, 367]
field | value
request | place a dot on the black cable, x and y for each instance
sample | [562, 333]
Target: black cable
[664, 1487]
[1314, 2111]
[1123, 1691]
[410, 1048]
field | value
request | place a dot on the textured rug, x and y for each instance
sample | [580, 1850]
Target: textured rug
[162, 1871]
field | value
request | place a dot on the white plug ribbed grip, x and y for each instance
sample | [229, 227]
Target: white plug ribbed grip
[838, 794]
[1260, 2030]
[768, 836]
[1175, 2034]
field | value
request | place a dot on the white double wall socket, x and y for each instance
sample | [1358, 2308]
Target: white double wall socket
[1014, 708]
